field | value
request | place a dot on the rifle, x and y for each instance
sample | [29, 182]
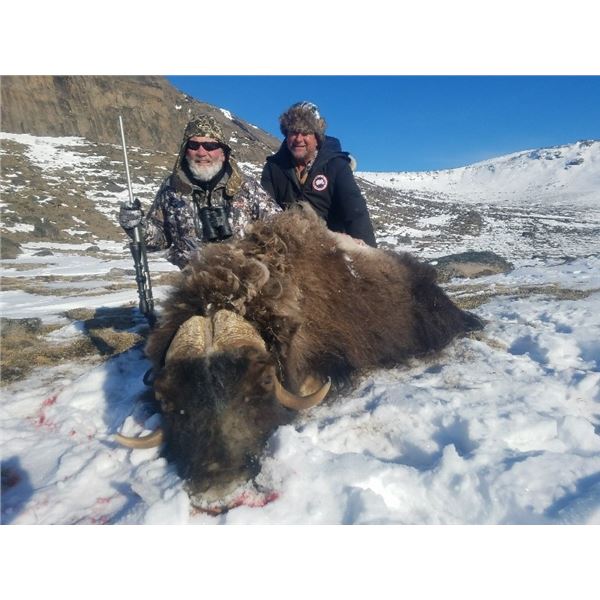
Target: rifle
[138, 249]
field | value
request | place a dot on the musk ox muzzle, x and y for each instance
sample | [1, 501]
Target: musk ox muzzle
[261, 327]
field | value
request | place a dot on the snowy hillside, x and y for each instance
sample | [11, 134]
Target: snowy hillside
[502, 428]
[561, 175]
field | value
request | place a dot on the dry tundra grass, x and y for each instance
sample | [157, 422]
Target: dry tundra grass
[25, 344]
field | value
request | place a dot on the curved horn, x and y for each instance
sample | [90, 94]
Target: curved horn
[230, 330]
[148, 441]
[294, 402]
[192, 339]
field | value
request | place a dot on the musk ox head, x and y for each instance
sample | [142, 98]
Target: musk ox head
[221, 398]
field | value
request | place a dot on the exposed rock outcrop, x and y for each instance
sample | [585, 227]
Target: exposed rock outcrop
[154, 111]
[470, 265]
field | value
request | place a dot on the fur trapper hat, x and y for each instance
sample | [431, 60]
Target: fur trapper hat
[303, 117]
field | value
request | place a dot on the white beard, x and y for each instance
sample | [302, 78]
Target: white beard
[205, 172]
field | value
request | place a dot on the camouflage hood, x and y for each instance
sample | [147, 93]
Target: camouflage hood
[205, 126]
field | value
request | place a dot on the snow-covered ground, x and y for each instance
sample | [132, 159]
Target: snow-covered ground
[499, 430]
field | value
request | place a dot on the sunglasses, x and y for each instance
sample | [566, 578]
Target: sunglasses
[208, 146]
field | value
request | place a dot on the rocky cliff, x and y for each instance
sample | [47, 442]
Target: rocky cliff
[155, 112]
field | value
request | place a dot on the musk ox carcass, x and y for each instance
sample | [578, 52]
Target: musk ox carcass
[259, 328]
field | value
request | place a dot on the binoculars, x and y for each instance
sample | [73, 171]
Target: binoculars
[215, 225]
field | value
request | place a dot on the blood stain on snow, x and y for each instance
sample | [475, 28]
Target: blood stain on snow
[252, 500]
[101, 520]
[40, 419]
[49, 401]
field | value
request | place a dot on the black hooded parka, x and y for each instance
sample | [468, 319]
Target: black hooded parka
[330, 188]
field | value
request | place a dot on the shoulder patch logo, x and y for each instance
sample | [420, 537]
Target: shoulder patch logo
[319, 183]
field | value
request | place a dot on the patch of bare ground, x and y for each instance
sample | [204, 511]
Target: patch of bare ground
[38, 288]
[26, 345]
[469, 297]
[42, 284]
[17, 266]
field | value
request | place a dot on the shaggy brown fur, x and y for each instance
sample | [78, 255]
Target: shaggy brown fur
[325, 307]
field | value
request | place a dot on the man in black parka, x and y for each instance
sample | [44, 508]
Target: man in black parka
[311, 166]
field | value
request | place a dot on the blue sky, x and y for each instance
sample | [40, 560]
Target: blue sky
[415, 123]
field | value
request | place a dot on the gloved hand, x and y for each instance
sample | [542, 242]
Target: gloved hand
[130, 216]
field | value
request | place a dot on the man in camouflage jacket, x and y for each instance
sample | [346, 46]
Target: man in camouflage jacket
[205, 199]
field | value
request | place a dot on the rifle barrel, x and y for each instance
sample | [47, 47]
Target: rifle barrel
[126, 161]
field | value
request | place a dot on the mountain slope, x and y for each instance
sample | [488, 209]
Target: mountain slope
[155, 112]
[68, 189]
[62, 171]
[561, 175]
[63, 178]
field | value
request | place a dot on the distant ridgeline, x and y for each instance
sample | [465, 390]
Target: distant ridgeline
[562, 175]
